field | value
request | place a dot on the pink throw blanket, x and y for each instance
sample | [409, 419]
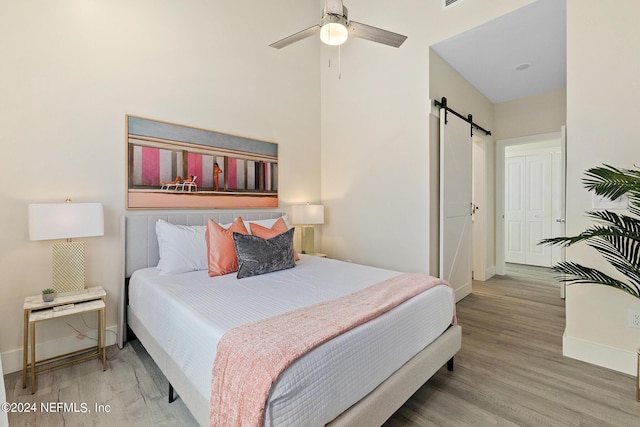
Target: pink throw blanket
[250, 357]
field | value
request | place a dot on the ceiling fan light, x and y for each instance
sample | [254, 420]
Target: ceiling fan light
[333, 28]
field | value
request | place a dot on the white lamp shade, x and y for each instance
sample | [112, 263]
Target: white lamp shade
[307, 214]
[49, 221]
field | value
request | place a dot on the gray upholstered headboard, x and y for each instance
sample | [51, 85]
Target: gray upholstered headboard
[139, 244]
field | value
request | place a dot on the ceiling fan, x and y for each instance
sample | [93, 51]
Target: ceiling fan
[335, 27]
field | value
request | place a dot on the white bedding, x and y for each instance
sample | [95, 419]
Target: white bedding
[188, 313]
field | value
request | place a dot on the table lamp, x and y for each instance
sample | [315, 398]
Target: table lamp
[50, 221]
[307, 216]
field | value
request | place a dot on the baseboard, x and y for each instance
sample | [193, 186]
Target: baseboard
[488, 274]
[463, 291]
[597, 354]
[12, 360]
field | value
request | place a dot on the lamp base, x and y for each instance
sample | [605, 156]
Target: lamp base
[68, 268]
[308, 244]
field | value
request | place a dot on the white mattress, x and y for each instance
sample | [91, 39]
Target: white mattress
[189, 313]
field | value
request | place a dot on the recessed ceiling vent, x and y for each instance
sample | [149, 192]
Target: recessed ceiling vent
[449, 3]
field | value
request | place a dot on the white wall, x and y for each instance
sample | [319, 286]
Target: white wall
[603, 88]
[70, 72]
[376, 158]
[533, 115]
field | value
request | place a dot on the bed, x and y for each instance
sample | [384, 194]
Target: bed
[363, 385]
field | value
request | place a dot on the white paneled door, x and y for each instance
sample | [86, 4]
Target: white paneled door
[515, 211]
[528, 209]
[455, 203]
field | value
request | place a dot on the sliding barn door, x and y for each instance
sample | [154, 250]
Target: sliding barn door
[455, 203]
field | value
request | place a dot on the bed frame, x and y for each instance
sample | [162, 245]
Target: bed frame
[139, 248]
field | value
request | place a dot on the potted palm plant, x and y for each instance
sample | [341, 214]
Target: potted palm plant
[616, 236]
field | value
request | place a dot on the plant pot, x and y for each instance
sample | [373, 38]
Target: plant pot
[48, 297]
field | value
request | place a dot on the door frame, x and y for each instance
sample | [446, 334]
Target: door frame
[501, 145]
[482, 267]
[562, 224]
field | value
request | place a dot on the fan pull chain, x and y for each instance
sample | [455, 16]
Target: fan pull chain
[339, 64]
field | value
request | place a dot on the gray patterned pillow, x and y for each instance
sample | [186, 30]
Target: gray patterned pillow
[259, 256]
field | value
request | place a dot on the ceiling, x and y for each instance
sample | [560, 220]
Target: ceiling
[489, 56]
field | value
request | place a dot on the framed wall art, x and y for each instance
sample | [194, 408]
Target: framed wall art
[171, 166]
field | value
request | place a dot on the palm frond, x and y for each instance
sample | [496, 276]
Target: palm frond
[618, 225]
[591, 233]
[611, 182]
[615, 236]
[577, 273]
[629, 224]
[623, 257]
[634, 205]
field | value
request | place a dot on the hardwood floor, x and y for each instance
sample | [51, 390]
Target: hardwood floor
[133, 392]
[510, 372]
[529, 273]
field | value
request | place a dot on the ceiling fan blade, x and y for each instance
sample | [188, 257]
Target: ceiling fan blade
[333, 6]
[296, 37]
[367, 32]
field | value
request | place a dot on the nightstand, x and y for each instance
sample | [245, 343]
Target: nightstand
[36, 311]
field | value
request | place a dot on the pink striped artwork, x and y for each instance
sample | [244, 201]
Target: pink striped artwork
[150, 166]
[221, 178]
[206, 178]
[232, 174]
[251, 175]
[267, 176]
[161, 152]
[195, 165]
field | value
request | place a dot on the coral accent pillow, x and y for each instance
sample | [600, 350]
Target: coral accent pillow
[278, 227]
[220, 247]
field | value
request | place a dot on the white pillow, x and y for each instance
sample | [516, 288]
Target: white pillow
[267, 223]
[182, 248]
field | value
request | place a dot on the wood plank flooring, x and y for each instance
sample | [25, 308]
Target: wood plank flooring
[510, 372]
[132, 389]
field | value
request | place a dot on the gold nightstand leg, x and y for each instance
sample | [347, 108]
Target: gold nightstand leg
[100, 335]
[638, 379]
[25, 348]
[103, 336]
[32, 328]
